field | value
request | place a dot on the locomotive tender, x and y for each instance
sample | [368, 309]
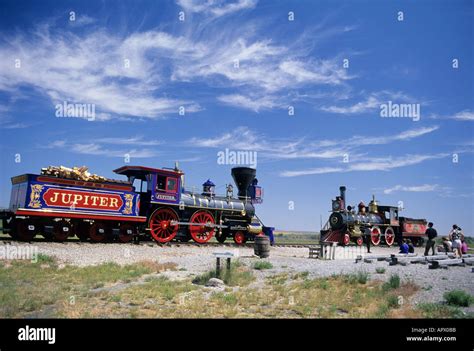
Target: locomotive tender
[383, 222]
[153, 201]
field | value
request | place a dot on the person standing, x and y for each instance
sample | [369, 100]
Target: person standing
[432, 234]
[455, 235]
[368, 239]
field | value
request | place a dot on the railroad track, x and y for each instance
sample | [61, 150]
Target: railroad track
[150, 243]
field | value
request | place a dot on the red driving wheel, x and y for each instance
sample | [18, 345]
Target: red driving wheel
[161, 228]
[359, 241]
[375, 235]
[239, 238]
[202, 233]
[389, 236]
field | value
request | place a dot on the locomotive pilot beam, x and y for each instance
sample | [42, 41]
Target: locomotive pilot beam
[63, 202]
[383, 223]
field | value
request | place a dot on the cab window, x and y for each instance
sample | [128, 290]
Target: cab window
[171, 185]
[160, 183]
[167, 184]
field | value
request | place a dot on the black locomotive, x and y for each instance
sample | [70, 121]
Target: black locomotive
[59, 204]
[383, 222]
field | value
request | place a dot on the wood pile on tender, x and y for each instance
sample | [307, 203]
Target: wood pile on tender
[77, 173]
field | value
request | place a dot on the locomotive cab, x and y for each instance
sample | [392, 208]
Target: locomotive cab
[154, 184]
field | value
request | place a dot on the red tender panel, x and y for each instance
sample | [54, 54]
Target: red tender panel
[80, 215]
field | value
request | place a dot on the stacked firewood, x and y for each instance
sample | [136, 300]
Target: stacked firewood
[77, 173]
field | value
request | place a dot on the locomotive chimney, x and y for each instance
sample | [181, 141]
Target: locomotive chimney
[243, 177]
[342, 189]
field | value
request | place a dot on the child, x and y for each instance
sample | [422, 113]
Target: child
[404, 247]
[447, 245]
[464, 247]
[411, 248]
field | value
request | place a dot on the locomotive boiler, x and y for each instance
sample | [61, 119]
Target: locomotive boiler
[382, 223]
[62, 203]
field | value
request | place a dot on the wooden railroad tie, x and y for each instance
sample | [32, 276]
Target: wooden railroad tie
[446, 263]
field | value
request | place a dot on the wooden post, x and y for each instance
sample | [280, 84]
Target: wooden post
[218, 267]
[228, 263]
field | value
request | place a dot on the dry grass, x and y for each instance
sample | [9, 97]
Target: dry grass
[44, 290]
[36, 289]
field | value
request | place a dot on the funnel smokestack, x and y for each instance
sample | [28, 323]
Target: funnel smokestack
[342, 189]
[243, 177]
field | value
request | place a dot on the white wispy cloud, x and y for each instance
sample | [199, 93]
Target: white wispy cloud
[311, 171]
[124, 78]
[99, 150]
[466, 115]
[102, 147]
[370, 102]
[368, 164]
[137, 140]
[92, 69]
[243, 138]
[216, 7]
[18, 125]
[7, 122]
[255, 104]
[412, 188]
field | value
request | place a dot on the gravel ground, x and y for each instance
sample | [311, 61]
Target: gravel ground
[197, 259]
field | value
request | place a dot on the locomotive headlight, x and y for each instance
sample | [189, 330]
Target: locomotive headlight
[336, 206]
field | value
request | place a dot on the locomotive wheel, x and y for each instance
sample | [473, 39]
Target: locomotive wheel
[202, 233]
[389, 236]
[239, 238]
[346, 239]
[26, 230]
[47, 235]
[221, 238]
[126, 233]
[359, 241]
[82, 230]
[184, 238]
[61, 230]
[98, 232]
[160, 225]
[375, 236]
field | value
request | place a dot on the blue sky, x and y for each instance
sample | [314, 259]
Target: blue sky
[236, 68]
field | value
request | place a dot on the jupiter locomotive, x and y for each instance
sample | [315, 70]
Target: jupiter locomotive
[154, 202]
[382, 222]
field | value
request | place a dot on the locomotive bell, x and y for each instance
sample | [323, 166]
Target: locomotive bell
[243, 177]
[373, 206]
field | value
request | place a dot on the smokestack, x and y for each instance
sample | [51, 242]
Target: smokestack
[243, 177]
[342, 189]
